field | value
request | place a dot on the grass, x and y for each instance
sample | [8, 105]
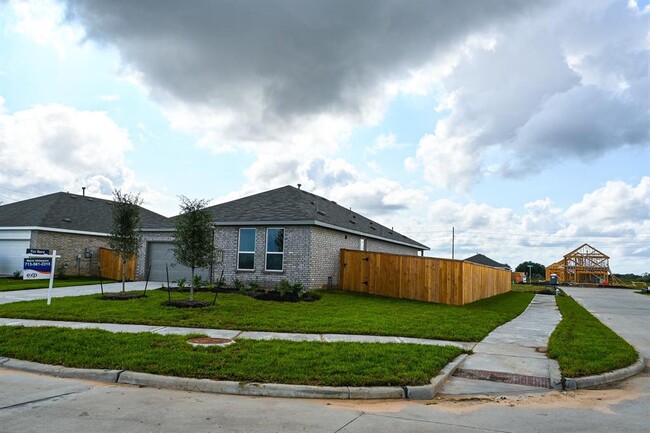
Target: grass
[309, 363]
[7, 284]
[583, 346]
[527, 288]
[337, 312]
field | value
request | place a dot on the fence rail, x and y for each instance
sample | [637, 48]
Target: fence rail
[110, 265]
[420, 278]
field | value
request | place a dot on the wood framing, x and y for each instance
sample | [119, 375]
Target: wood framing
[585, 264]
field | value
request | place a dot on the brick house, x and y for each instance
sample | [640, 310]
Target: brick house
[76, 226]
[285, 233]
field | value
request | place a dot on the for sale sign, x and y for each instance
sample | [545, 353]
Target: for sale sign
[36, 268]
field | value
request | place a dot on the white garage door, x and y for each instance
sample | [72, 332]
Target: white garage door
[160, 254]
[11, 255]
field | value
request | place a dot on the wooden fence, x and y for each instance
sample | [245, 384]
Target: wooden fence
[420, 278]
[110, 265]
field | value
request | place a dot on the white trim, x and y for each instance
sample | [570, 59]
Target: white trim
[277, 253]
[55, 230]
[319, 224]
[158, 230]
[239, 251]
[369, 235]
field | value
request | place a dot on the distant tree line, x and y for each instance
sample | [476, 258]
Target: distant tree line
[537, 270]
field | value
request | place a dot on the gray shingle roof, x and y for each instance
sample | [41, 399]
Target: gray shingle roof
[62, 210]
[289, 204]
[484, 260]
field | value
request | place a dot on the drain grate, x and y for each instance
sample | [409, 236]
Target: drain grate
[496, 376]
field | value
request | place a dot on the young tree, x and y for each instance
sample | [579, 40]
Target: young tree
[124, 237]
[194, 240]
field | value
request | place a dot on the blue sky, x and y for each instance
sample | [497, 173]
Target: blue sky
[524, 126]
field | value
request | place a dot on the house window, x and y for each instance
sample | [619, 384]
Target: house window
[246, 256]
[363, 246]
[274, 249]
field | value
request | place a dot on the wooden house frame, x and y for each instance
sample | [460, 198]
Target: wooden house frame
[585, 264]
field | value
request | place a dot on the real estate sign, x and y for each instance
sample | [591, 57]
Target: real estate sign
[37, 268]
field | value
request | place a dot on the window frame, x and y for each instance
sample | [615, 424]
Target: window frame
[240, 251]
[267, 252]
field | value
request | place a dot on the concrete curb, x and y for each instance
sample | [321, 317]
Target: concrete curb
[427, 392]
[605, 378]
[206, 385]
[60, 371]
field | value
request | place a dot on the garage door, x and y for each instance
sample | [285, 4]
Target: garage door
[11, 255]
[160, 254]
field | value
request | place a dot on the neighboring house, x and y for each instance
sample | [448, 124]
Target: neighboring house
[484, 260]
[285, 233]
[76, 226]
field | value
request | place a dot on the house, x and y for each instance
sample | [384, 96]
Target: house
[486, 261]
[284, 233]
[76, 226]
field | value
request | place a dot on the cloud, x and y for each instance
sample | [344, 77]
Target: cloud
[242, 75]
[386, 142]
[571, 81]
[614, 218]
[49, 148]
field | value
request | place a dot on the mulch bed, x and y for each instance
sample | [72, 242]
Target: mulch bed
[186, 303]
[122, 296]
[271, 295]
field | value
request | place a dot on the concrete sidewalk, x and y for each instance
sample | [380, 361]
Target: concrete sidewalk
[512, 358]
[231, 334]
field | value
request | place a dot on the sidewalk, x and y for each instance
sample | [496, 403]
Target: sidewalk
[232, 334]
[512, 358]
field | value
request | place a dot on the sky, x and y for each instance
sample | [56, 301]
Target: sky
[522, 125]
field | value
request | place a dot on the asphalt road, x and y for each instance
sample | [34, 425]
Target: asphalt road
[33, 403]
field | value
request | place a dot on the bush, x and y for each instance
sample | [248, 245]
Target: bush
[286, 289]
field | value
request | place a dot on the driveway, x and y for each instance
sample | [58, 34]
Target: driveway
[59, 292]
[625, 312]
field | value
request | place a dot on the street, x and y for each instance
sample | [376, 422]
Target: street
[33, 403]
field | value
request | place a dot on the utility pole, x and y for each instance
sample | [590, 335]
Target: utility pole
[530, 274]
[453, 241]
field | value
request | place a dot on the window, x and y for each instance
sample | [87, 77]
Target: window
[362, 245]
[246, 256]
[274, 249]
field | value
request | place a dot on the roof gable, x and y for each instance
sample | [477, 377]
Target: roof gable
[67, 211]
[292, 205]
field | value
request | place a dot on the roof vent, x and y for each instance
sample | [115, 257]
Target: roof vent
[320, 212]
[373, 227]
[353, 221]
[89, 199]
[68, 220]
[299, 185]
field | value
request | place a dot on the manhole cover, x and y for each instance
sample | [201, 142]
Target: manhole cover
[209, 341]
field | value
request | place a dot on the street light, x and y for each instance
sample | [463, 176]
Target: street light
[530, 274]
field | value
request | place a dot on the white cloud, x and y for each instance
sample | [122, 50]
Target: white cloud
[614, 219]
[109, 98]
[386, 142]
[41, 21]
[54, 147]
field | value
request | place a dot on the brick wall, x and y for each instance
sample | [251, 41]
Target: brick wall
[325, 253]
[69, 246]
[295, 263]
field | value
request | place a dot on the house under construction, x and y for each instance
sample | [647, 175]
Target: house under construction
[584, 265]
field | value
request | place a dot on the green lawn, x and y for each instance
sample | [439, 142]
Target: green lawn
[527, 288]
[7, 284]
[310, 363]
[583, 346]
[336, 312]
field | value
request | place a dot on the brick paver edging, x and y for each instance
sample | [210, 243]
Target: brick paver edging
[496, 376]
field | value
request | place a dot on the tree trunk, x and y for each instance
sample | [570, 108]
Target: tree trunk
[123, 274]
[192, 285]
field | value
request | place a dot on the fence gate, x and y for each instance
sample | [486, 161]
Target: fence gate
[111, 265]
